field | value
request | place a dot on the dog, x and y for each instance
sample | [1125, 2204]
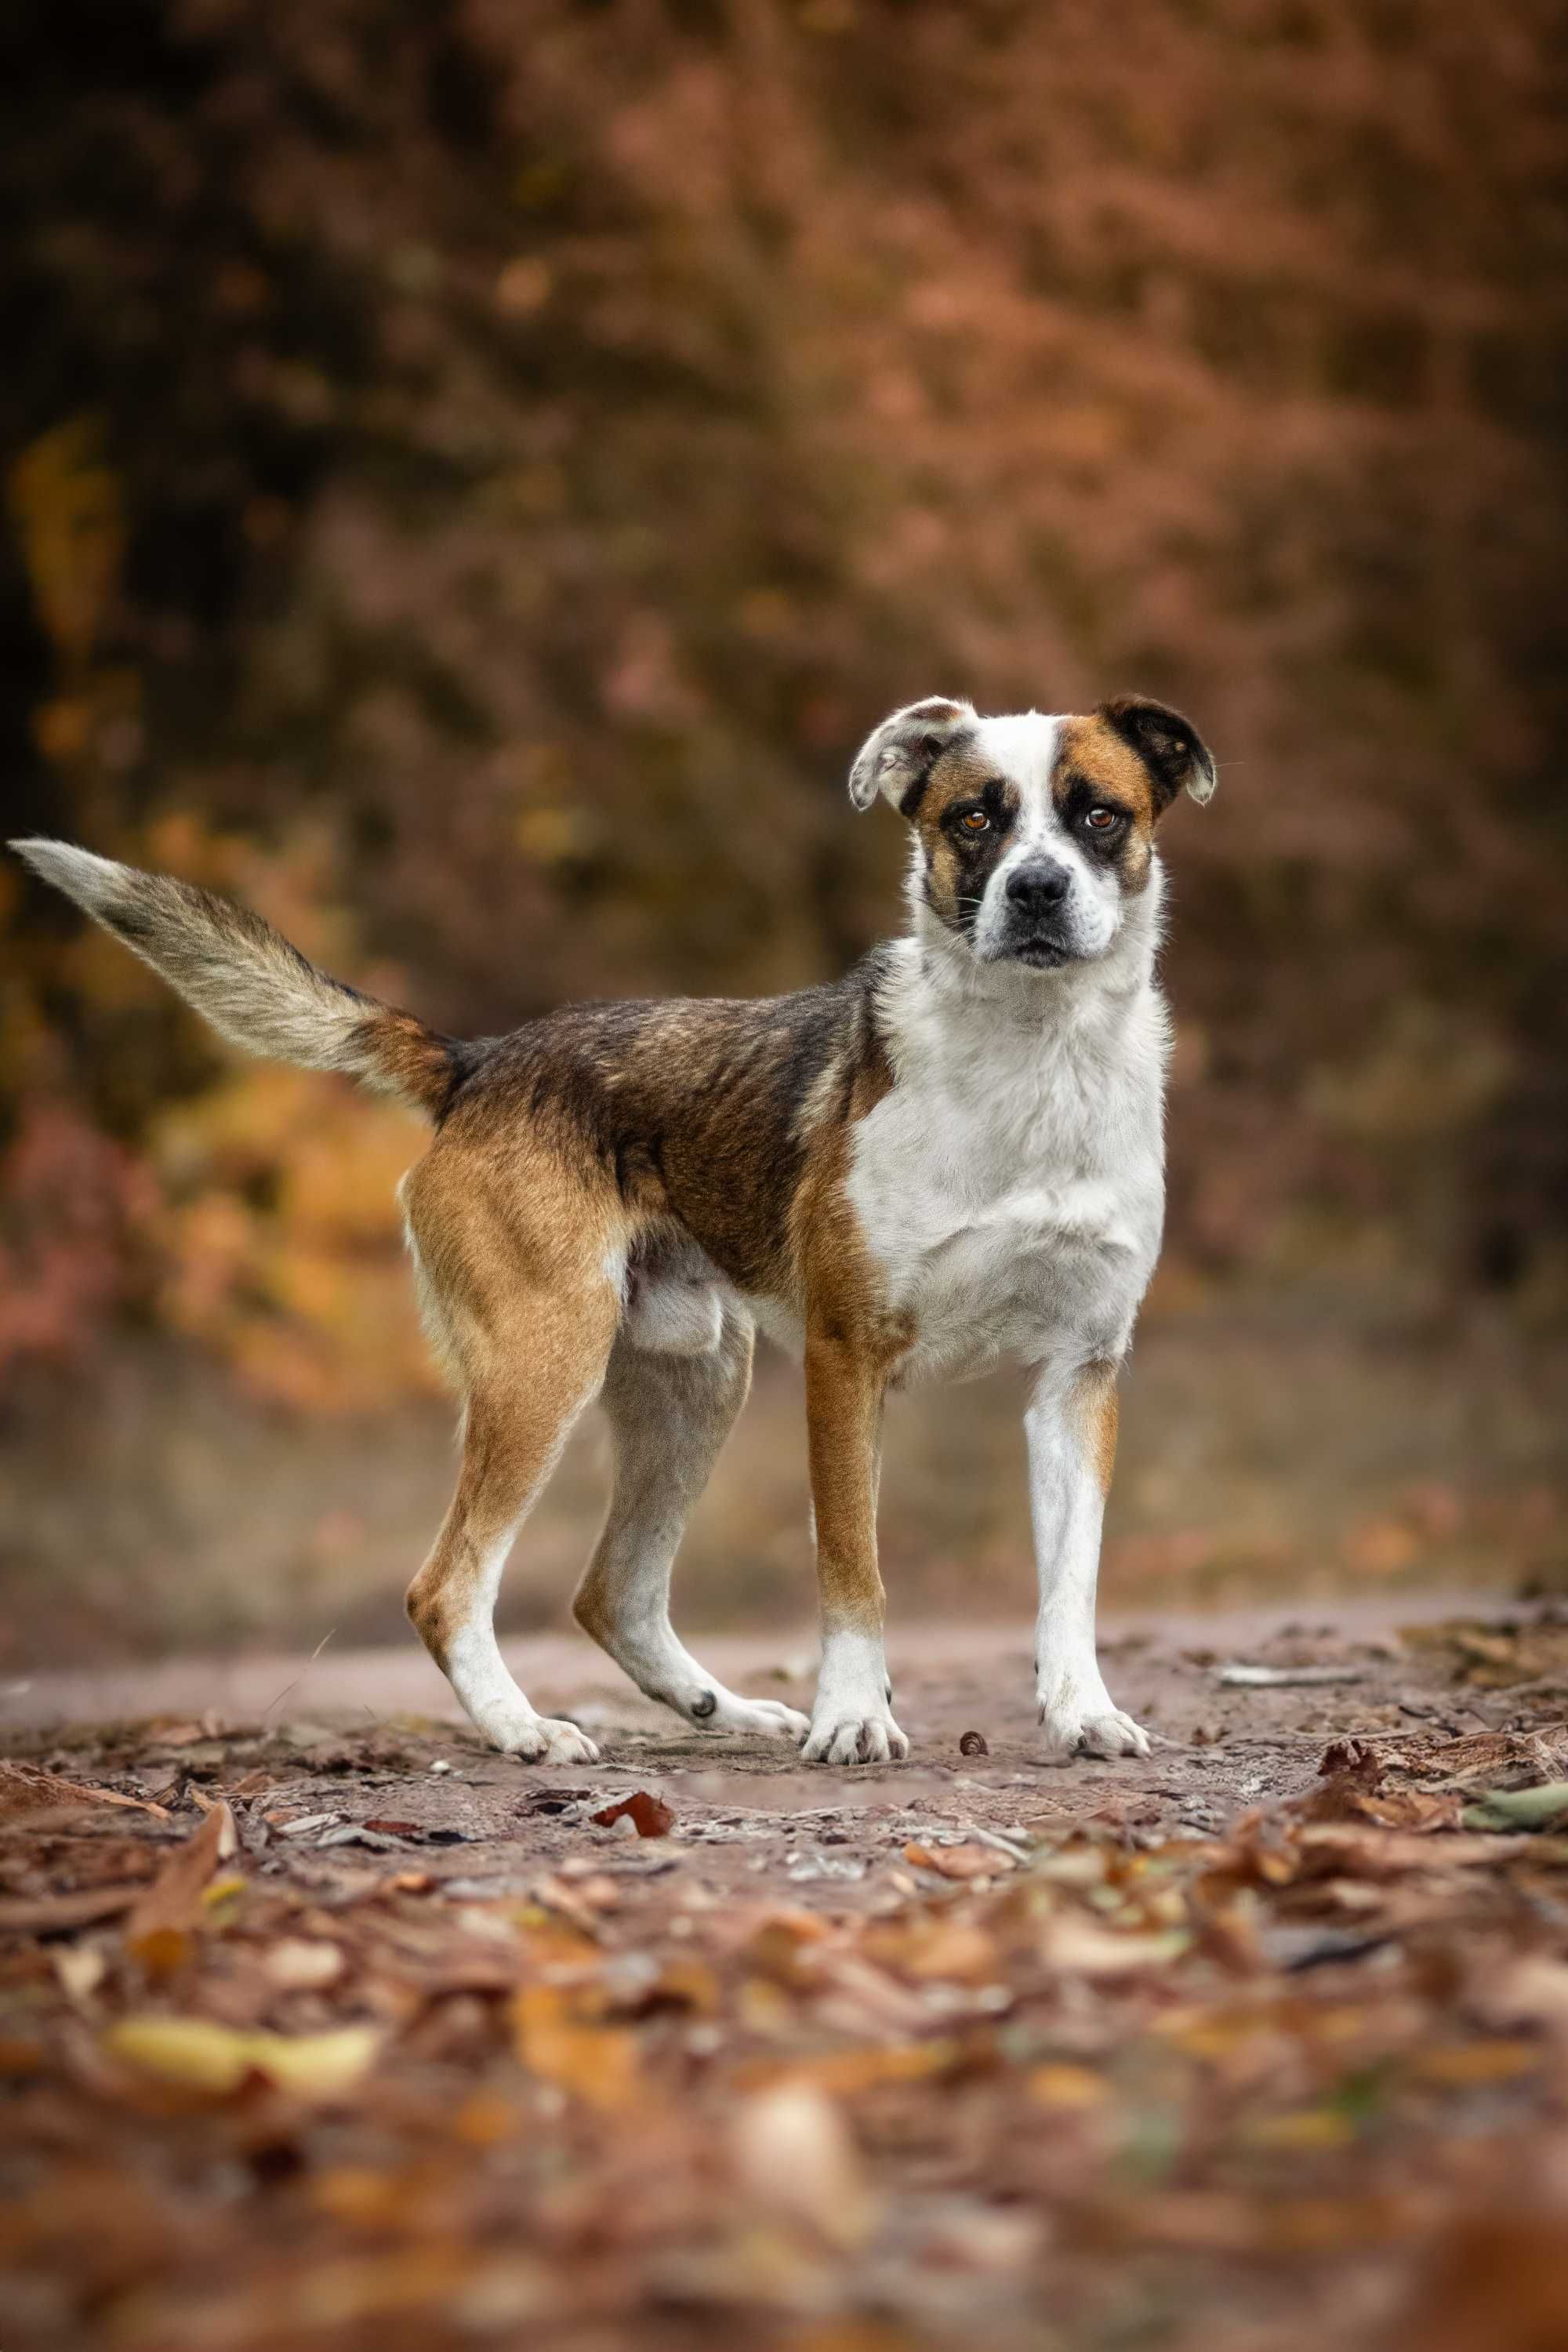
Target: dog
[949, 1160]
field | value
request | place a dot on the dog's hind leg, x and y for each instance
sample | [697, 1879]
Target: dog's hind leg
[668, 1416]
[529, 1336]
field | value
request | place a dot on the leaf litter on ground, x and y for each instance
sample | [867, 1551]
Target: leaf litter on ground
[1050, 2069]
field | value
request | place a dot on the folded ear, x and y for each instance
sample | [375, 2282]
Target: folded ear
[1169, 746]
[896, 759]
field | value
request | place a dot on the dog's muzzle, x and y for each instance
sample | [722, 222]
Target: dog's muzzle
[1033, 930]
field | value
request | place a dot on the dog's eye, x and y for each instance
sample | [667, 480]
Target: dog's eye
[1102, 820]
[976, 821]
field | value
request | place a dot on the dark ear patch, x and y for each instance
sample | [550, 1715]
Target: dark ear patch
[1169, 746]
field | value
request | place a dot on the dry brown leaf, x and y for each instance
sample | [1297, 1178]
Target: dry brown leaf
[228, 1844]
[1359, 1795]
[1076, 1947]
[648, 1814]
[961, 1862]
[1384, 1853]
[28, 1788]
[934, 1949]
[164, 1914]
[1492, 1656]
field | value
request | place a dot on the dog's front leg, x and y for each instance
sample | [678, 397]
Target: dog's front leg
[852, 1721]
[1071, 1428]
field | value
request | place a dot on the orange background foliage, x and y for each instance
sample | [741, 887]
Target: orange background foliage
[474, 474]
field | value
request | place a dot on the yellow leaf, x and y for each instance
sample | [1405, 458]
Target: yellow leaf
[316, 2065]
[201, 2056]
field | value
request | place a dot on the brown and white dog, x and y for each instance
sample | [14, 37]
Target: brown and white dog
[949, 1160]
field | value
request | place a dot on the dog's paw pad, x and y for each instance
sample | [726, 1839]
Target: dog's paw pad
[856, 1739]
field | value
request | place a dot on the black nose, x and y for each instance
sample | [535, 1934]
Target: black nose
[1037, 886]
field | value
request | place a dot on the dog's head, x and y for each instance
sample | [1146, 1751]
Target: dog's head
[1033, 836]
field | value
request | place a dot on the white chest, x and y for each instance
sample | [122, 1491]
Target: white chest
[1011, 1193]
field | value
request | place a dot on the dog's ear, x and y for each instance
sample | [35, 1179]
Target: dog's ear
[899, 756]
[1169, 746]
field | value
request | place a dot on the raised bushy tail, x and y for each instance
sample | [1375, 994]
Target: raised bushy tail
[255, 989]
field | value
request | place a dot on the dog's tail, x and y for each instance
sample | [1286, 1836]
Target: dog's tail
[255, 989]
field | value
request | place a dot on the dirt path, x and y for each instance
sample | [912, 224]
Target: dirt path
[748, 1806]
[326, 2028]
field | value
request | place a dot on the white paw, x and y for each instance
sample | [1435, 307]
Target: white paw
[1095, 1728]
[870, 1738]
[547, 1740]
[763, 1718]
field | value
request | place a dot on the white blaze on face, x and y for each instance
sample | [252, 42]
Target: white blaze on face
[1024, 750]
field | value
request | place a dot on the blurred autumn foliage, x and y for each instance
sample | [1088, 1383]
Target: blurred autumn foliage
[476, 470]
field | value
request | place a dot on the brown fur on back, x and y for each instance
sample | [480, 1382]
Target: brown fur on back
[703, 1111]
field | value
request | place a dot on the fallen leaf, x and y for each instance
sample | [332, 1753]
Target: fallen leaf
[936, 1948]
[28, 1788]
[597, 2063]
[1495, 1656]
[794, 2154]
[1384, 1853]
[201, 2056]
[1517, 1809]
[961, 1862]
[229, 1842]
[1076, 1947]
[298, 1964]
[158, 1930]
[1353, 1789]
[648, 1814]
